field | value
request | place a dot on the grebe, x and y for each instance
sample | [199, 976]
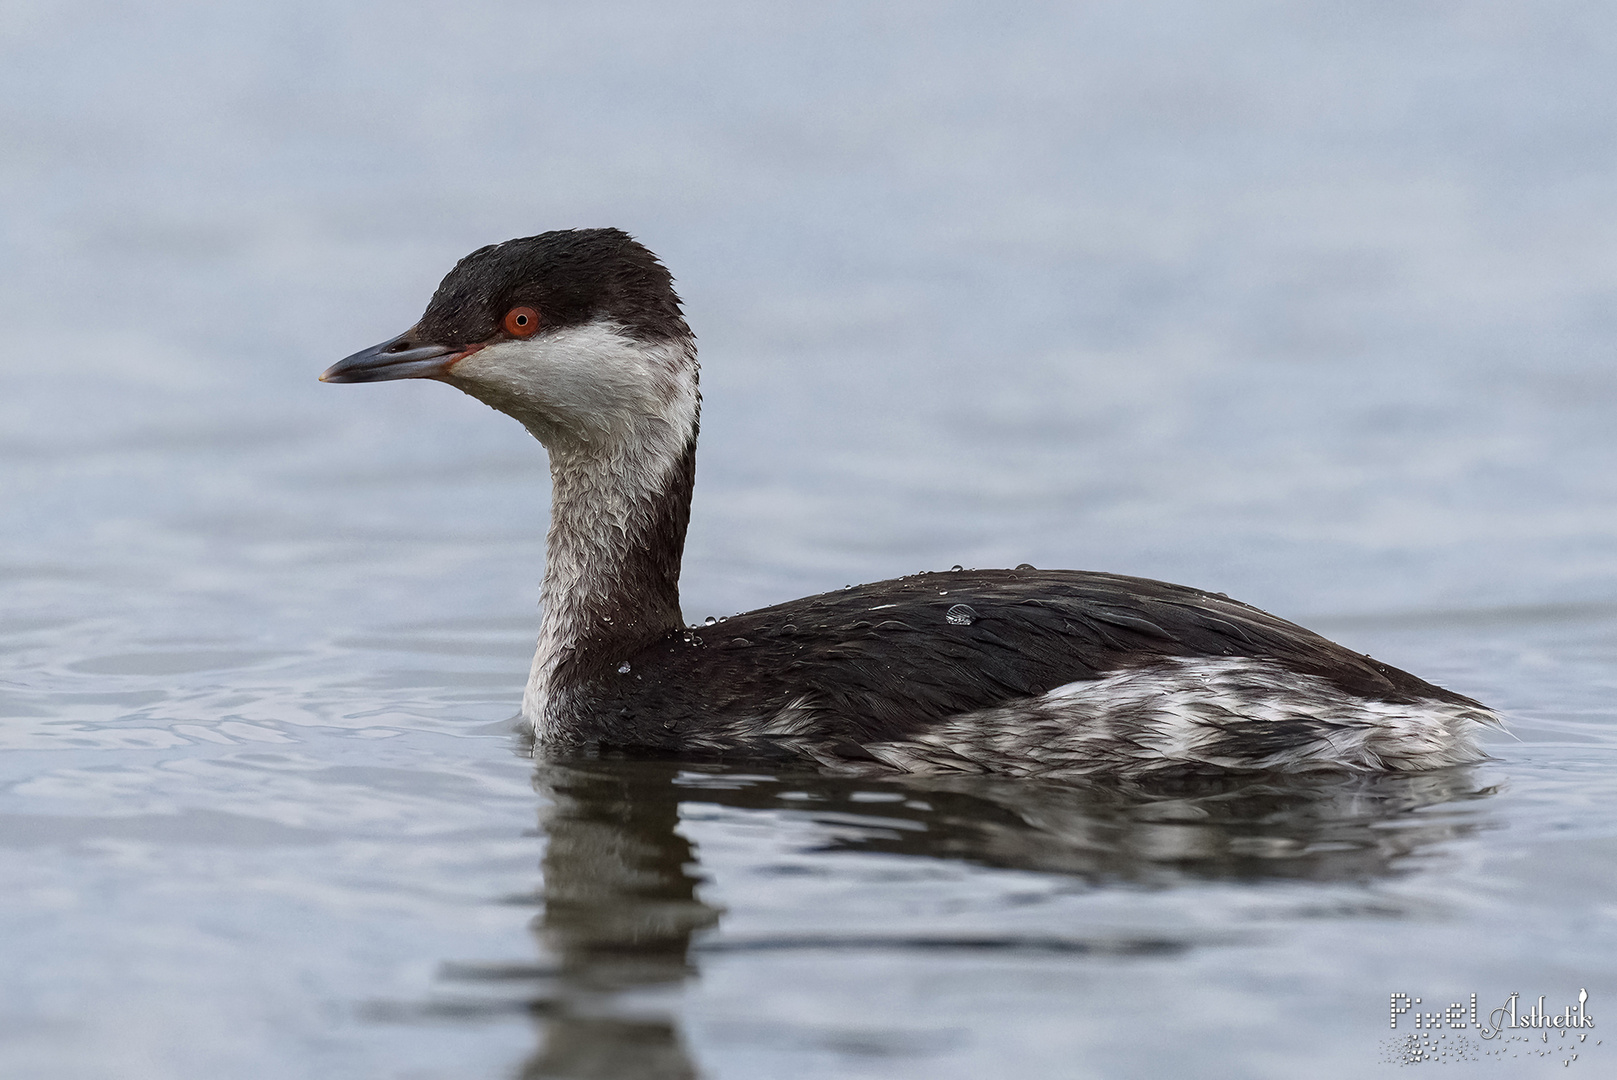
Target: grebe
[579, 335]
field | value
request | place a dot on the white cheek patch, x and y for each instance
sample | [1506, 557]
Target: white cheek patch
[583, 383]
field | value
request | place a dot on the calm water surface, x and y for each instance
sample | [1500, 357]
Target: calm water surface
[1311, 305]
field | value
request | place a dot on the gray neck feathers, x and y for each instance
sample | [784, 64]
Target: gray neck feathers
[620, 504]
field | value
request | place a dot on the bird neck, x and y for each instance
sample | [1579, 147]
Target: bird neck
[618, 514]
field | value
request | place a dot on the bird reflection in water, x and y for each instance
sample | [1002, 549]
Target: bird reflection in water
[619, 909]
[623, 926]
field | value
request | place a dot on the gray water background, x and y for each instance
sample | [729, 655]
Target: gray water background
[1314, 304]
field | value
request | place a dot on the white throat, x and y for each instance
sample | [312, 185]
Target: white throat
[619, 418]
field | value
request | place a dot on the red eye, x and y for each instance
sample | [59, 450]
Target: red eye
[522, 322]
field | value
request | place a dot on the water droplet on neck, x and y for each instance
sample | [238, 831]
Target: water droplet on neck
[960, 615]
[709, 621]
[623, 668]
[1026, 566]
[956, 568]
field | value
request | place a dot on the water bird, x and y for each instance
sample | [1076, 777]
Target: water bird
[579, 335]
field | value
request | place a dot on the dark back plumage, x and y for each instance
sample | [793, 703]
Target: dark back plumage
[886, 661]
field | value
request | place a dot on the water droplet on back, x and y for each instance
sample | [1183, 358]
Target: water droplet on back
[1026, 566]
[956, 568]
[709, 621]
[960, 615]
[623, 668]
